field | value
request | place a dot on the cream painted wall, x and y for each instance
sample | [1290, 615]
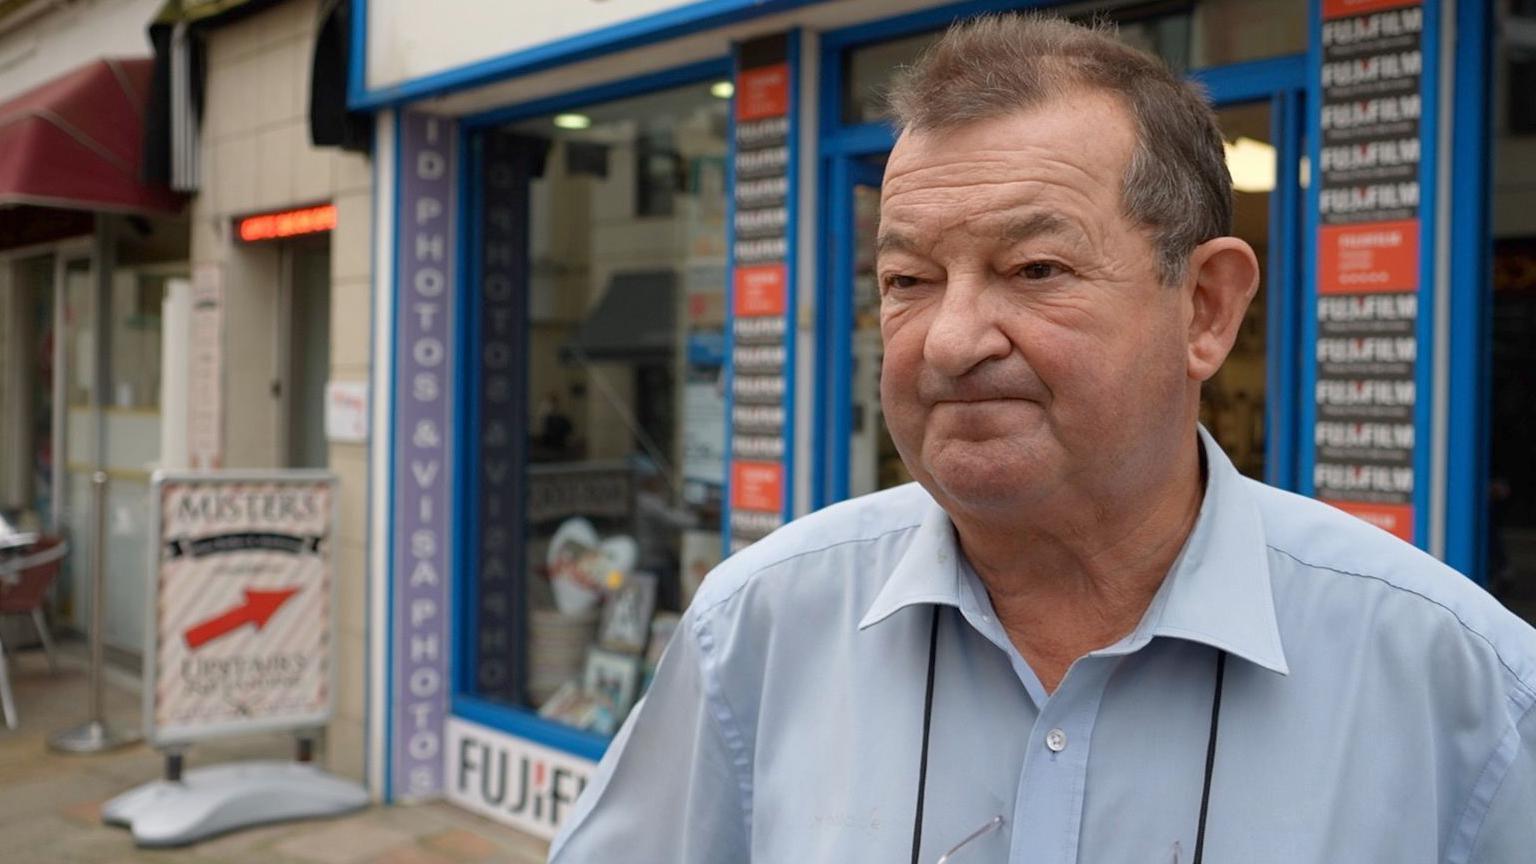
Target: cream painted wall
[63, 36]
[257, 156]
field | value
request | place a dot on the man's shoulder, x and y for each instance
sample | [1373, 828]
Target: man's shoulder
[1314, 541]
[847, 529]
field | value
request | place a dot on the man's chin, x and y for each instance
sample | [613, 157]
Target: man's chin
[979, 482]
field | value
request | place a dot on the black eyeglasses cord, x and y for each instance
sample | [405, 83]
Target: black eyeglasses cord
[922, 765]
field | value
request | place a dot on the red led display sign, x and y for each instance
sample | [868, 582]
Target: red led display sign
[286, 223]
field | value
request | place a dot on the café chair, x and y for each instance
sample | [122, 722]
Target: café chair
[24, 582]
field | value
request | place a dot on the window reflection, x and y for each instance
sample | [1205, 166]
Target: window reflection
[620, 246]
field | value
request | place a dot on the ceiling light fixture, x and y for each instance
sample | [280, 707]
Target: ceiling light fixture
[722, 89]
[573, 121]
[1251, 163]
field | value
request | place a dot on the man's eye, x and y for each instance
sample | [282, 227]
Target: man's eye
[898, 282]
[1041, 270]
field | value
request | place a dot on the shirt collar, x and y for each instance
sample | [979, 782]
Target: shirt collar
[1217, 593]
[928, 571]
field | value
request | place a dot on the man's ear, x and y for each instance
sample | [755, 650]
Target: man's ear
[1223, 276]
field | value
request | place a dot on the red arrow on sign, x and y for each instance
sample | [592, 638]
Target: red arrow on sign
[258, 609]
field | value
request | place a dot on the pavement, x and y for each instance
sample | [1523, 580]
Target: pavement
[50, 803]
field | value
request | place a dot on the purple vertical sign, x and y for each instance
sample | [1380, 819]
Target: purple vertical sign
[424, 315]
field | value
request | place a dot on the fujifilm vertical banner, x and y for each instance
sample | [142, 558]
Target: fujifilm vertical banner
[1369, 259]
[762, 301]
[419, 561]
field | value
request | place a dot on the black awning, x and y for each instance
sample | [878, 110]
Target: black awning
[330, 123]
[634, 322]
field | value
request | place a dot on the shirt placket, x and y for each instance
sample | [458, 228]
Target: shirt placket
[1048, 812]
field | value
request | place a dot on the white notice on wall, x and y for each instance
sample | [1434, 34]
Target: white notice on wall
[346, 411]
[205, 375]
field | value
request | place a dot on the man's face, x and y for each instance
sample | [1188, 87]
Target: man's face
[1030, 347]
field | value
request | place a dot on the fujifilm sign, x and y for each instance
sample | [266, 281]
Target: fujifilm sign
[510, 780]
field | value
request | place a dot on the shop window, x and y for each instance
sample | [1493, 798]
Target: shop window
[1234, 403]
[1517, 38]
[602, 264]
[135, 340]
[1188, 35]
[26, 406]
[873, 462]
[1511, 561]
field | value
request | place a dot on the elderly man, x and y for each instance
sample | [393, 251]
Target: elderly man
[1081, 635]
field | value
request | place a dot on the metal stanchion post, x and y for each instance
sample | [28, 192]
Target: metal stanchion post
[94, 736]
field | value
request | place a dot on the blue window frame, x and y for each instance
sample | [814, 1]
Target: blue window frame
[844, 150]
[1471, 304]
[518, 721]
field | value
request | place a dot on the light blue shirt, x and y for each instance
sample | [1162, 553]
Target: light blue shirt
[1377, 707]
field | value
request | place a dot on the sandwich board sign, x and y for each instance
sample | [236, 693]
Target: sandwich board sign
[241, 612]
[238, 642]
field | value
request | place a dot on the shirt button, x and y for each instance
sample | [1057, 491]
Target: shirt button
[1056, 740]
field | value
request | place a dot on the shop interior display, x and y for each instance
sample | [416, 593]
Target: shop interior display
[616, 658]
[581, 564]
[624, 395]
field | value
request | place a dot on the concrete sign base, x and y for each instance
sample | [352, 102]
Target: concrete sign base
[222, 798]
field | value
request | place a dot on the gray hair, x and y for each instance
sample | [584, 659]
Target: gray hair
[1176, 183]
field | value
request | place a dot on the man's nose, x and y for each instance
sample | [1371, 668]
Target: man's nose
[964, 330]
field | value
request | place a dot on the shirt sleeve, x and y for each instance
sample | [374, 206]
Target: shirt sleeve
[1507, 829]
[669, 789]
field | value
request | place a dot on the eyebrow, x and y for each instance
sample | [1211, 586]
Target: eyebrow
[1038, 224]
[1014, 231]
[888, 241]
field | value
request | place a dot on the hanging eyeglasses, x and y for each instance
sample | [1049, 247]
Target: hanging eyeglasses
[993, 824]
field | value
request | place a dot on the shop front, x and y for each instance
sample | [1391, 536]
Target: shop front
[626, 321]
[89, 253]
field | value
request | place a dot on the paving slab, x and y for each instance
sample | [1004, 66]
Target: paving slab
[50, 803]
[344, 841]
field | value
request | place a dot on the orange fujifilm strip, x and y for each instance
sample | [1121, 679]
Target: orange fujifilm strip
[288, 223]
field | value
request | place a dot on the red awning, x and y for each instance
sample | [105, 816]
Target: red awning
[76, 142]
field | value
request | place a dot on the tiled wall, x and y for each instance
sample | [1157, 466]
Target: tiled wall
[256, 157]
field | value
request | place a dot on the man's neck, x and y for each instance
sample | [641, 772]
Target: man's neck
[1082, 577]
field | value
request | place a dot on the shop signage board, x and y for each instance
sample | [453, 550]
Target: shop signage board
[512, 780]
[462, 32]
[241, 623]
[762, 292]
[469, 38]
[423, 434]
[241, 617]
[1368, 259]
[283, 224]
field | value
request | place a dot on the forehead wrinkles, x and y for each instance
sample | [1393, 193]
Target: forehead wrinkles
[933, 166]
[923, 217]
[949, 191]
